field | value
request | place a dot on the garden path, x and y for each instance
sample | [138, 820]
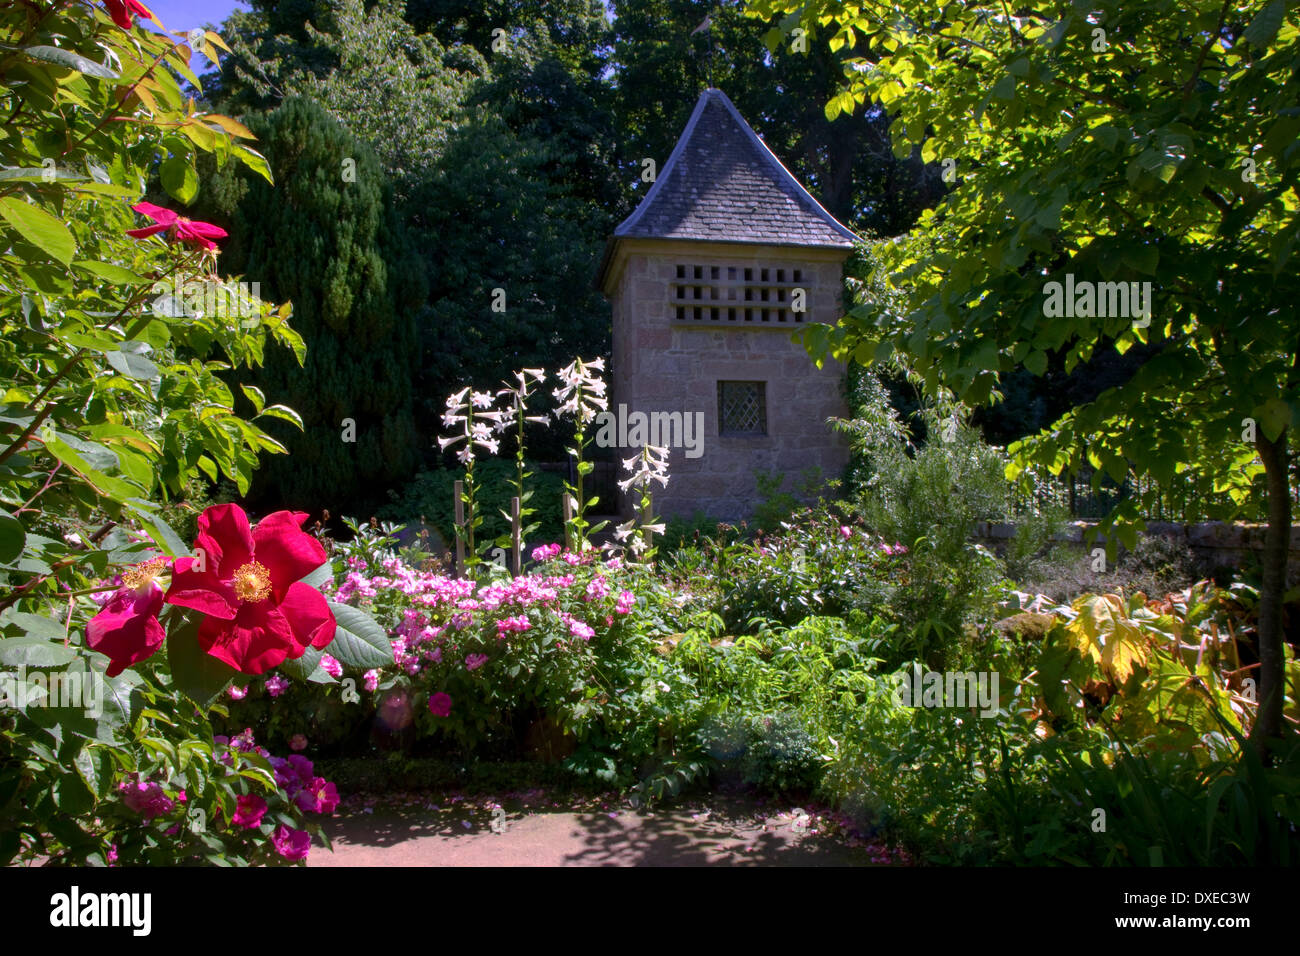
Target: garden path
[465, 833]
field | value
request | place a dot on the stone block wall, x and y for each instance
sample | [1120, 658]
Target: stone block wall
[1214, 543]
[664, 364]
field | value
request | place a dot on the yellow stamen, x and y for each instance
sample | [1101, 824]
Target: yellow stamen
[252, 582]
[143, 574]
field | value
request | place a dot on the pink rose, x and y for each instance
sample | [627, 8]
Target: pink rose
[249, 809]
[293, 845]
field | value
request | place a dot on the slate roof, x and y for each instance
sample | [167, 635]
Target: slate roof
[722, 183]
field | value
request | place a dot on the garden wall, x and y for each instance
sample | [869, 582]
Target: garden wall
[1215, 543]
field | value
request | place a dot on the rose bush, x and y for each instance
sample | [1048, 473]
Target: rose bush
[118, 394]
[564, 651]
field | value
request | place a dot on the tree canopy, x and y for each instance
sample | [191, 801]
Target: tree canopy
[1153, 146]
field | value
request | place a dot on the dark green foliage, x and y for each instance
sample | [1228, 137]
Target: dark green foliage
[847, 164]
[338, 251]
[783, 757]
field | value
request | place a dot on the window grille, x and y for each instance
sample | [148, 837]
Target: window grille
[738, 295]
[742, 408]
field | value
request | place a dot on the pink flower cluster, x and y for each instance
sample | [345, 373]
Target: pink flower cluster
[626, 601]
[576, 627]
[596, 589]
[518, 624]
[546, 552]
[147, 799]
[295, 776]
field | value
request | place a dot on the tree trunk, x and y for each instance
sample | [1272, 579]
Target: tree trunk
[1277, 545]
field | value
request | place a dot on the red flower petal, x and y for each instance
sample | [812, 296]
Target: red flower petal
[204, 229]
[127, 628]
[310, 617]
[226, 539]
[202, 592]
[258, 639]
[159, 214]
[289, 553]
[145, 232]
[118, 11]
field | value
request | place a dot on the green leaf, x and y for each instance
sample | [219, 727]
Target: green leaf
[359, 641]
[254, 161]
[128, 360]
[281, 412]
[110, 273]
[1264, 27]
[179, 179]
[162, 533]
[197, 674]
[71, 61]
[304, 668]
[320, 577]
[12, 537]
[39, 228]
[33, 650]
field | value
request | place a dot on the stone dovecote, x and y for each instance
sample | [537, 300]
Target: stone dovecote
[725, 256]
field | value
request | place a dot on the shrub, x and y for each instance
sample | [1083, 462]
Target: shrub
[564, 651]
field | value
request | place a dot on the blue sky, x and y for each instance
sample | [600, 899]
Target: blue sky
[184, 15]
[181, 16]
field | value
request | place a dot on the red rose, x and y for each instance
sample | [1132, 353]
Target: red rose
[124, 12]
[177, 227]
[127, 628]
[247, 583]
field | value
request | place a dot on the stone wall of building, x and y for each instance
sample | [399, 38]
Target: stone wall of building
[665, 364]
[1214, 543]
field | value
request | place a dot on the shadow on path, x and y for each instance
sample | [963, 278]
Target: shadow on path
[726, 831]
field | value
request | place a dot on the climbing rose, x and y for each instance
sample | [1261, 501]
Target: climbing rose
[320, 796]
[178, 228]
[127, 628]
[474, 661]
[440, 704]
[146, 799]
[123, 12]
[249, 809]
[293, 845]
[331, 666]
[247, 583]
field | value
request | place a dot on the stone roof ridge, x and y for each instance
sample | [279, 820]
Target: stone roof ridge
[722, 183]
